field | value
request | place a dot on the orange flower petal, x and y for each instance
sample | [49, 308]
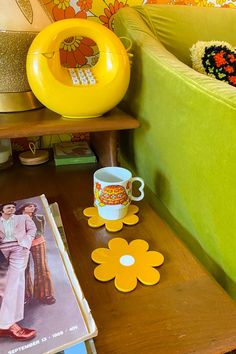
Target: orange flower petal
[71, 59]
[111, 7]
[154, 258]
[91, 211]
[49, 6]
[80, 58]
[81, 14]
[104, 273]
[148, 275]
[116, 5]
[138, 245]
[107, 13]
[88, 41]
[131, 220]
[69, 12]
[84, 49]
[125, 281]
[95, 221]
[104, 19]
[63, 56]
[118, 244]
[133, 209]
[101, 255]
[58, 14]
[114, 225]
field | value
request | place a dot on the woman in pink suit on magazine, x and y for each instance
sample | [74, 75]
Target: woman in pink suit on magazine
[42, 289]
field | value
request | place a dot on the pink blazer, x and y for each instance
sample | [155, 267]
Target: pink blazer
[24, 230]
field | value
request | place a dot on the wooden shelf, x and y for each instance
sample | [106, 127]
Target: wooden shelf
[38, 122]
[42, 121]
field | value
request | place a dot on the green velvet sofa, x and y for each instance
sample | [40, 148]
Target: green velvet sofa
[185, 148]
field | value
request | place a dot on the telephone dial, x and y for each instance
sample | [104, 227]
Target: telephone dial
[84, 92]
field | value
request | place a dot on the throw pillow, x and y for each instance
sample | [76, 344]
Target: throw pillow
[216, 59]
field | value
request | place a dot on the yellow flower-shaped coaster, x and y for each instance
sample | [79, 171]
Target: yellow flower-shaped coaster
[127, 263]
[112, 225]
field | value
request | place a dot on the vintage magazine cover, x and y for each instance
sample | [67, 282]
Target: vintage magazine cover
[67, 319]
[88, 346]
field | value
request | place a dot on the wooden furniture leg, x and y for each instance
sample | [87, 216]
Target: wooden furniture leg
[105, 144]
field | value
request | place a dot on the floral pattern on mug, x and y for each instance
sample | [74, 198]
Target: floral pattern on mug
[111, 195]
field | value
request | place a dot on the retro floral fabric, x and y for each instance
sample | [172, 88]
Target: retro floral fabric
[80, 51]
[104, 10]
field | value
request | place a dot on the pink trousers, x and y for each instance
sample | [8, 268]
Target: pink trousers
[12, 307]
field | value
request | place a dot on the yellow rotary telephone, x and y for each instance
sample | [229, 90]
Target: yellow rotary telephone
[78, 92]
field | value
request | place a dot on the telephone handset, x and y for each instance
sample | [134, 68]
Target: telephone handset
[78, 92]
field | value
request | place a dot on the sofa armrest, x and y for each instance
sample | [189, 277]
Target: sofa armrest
[185, 149]
[145, 44]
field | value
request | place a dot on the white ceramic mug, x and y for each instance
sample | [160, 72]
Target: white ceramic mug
[113, 191]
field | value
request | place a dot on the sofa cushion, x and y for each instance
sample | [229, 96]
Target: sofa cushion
[178, 27]
[216, 59]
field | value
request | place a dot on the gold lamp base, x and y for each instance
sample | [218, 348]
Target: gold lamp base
[18, 101]
[21, 21]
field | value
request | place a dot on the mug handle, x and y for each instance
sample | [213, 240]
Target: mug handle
[133, 179]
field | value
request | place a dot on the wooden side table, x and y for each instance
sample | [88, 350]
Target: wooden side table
[186, 313]
[104, 130]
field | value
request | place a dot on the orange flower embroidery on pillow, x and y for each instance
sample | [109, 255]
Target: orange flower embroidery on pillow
[216, 59]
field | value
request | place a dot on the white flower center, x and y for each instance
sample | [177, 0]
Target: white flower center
[127, 260]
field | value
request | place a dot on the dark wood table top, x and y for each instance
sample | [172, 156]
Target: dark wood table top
[187, 312]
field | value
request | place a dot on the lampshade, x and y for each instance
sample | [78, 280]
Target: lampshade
[20, 22]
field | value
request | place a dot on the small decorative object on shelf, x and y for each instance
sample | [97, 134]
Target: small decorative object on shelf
[73, 152]
[5, 154]
[33, 156]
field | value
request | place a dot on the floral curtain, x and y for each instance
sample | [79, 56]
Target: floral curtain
[103, 10]
[78, 51]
